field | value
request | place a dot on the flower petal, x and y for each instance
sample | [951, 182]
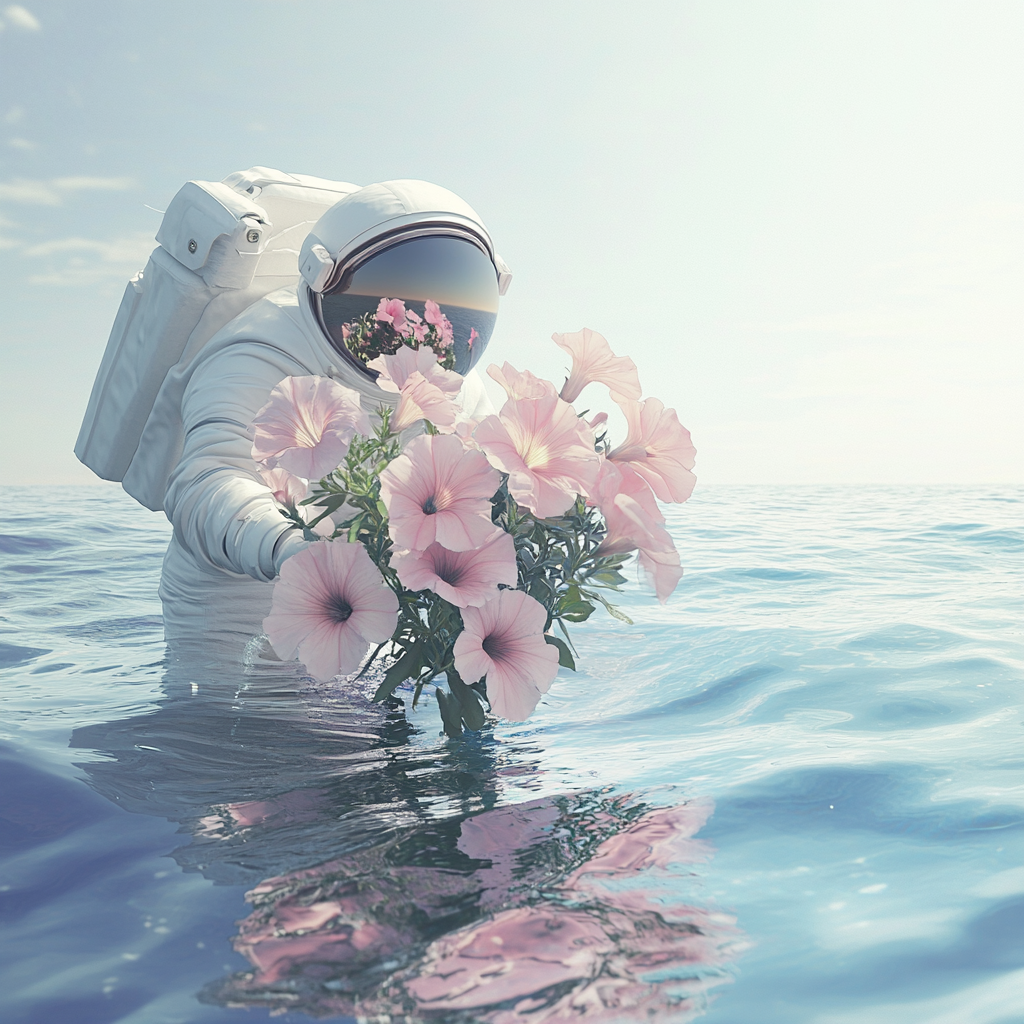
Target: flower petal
[504, 641]
[307, 425]
[593, 360]
[545, 448]
[437, 490]
[315, 586]
[658, 447]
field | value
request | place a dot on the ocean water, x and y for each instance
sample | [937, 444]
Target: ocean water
[792, 794]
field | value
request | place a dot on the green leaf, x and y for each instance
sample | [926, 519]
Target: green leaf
[451, 713]
[612, 610]
[472, 711]
[609, 578]
[329, 504]
[353, 530]
[578, 611]
[565, 658]
[407, 667]
[469, 699]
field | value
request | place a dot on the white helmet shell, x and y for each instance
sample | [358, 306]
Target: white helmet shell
[384, 209]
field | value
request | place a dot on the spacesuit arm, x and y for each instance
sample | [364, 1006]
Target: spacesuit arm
[221, 509]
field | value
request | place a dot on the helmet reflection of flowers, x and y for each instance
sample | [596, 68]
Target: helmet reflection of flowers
[396, 263]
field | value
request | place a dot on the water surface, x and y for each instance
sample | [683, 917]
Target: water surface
[792, 794]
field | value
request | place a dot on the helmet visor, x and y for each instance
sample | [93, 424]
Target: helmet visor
[453, 272]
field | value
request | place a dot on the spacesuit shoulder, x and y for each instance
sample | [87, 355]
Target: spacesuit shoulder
[270, 338]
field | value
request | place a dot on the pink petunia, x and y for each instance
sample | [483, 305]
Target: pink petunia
[663, 571]
[547, 451]
[396, 369]
[593, 360]
[463, 430]
[464, 578]
[630, 511]
[393, 312]
[437, 490]
[658, 447]
[447, 333]
[286, 488]
[432, 313]
[504, 641]
[290, 490]
[421, 400]
[635, 523]
[330, 603]
[307, 425]
[520, 384]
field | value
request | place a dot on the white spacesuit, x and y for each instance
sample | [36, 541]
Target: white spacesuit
[190, 452]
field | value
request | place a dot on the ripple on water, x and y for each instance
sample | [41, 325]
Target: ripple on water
[20, 544]
[118, 628]
[892, 800]
[838, 674]
[12, 654]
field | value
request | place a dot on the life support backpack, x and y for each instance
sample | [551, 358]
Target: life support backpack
[221, 247]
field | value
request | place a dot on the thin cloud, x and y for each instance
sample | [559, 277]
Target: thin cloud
[35, 192]
[23, 144]
[25, 190]
[5, 242]
[18, 17]
[14, 115]
[93, 184]
[90, 261]
[107, 250]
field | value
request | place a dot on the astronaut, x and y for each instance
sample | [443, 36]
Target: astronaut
[409, 240]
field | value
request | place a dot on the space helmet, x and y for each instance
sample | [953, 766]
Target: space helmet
[408, 240]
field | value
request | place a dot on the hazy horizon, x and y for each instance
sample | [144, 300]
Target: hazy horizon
[801, 220]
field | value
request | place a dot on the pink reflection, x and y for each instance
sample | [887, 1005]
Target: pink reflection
[509, 956]
[498, 835]
[658, 839]
[332, 932]
[296, 807]
[578, 910]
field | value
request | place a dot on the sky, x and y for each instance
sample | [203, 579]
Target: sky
[802, 220]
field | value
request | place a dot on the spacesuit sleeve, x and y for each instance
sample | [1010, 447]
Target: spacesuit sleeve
[221, 510]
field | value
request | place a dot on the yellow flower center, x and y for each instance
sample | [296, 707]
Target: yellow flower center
[535, 453]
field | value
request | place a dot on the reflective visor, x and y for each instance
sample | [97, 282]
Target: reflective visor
[457, 274]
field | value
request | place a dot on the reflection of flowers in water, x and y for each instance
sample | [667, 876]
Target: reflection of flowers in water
[551, 910]
[608, 943]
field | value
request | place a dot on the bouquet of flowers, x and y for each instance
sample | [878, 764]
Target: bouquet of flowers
[457, 547]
